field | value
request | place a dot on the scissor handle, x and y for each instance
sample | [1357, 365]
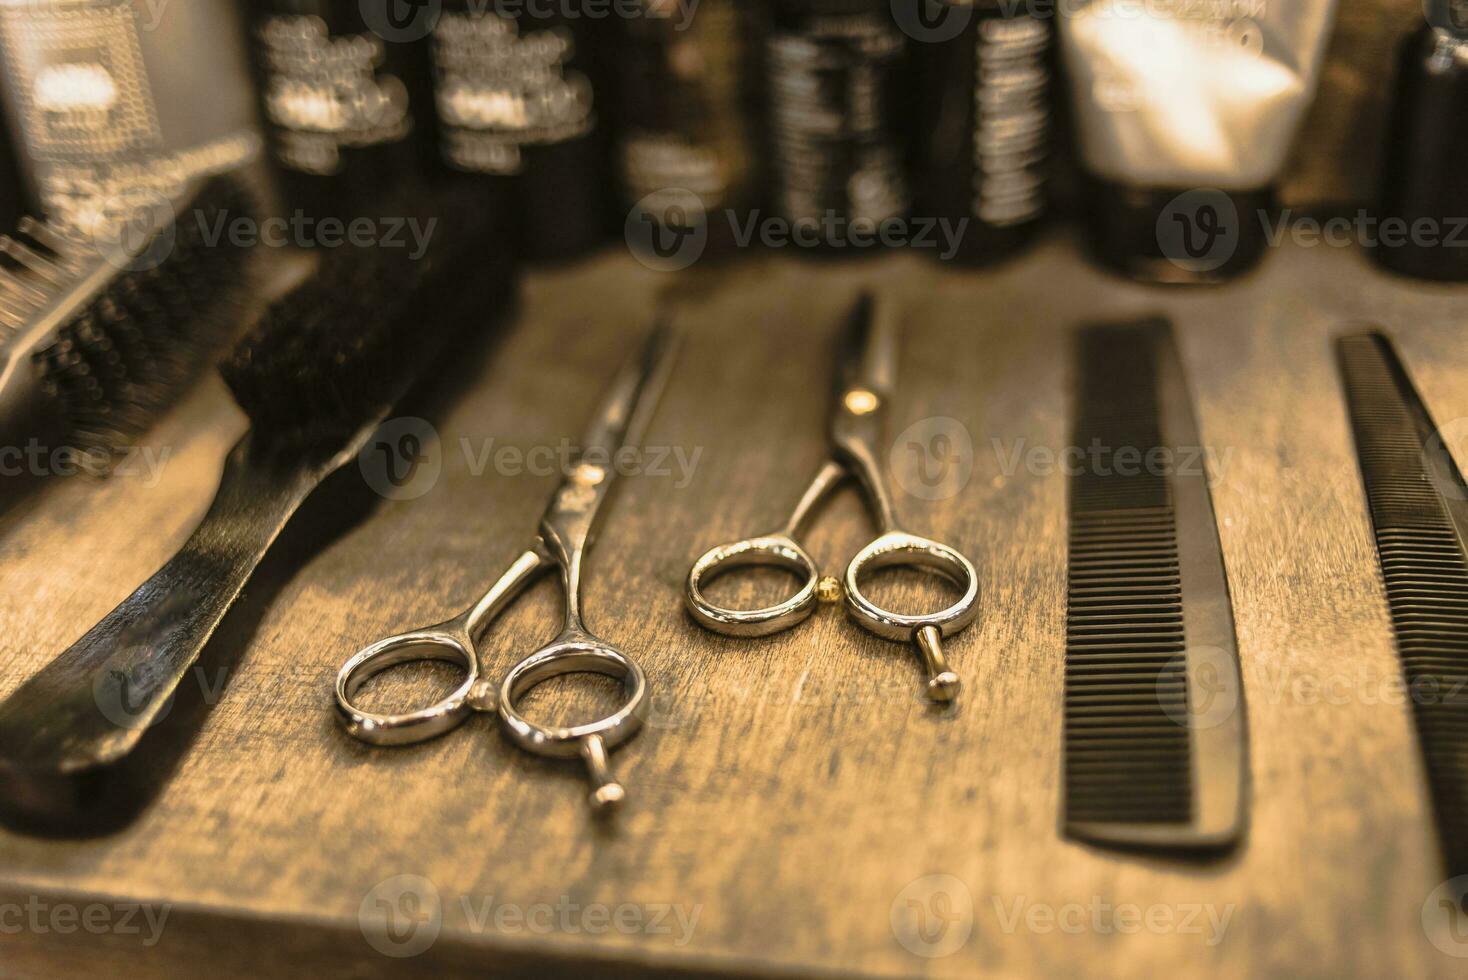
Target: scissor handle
[909, 550]
[925, 629]
[779, 550]
[449, 643]
[577, 652]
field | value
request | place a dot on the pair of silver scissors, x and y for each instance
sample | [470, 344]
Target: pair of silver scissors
[565, 535]
[866, 374]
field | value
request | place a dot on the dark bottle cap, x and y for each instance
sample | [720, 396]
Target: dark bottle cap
[1422, 209]
[1177, 234]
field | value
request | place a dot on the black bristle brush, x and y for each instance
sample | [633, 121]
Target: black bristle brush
[316, 376]
[97, 341]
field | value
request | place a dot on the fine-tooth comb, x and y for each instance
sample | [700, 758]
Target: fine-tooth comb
[1419, 511]
[96, 342]
[1154, 744]
[321, 371]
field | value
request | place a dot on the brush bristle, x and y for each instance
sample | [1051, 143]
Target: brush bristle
[346, 344]
[128, 355]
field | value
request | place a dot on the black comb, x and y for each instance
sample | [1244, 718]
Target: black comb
[1154, 742]
[1419, 510]
[317, 376]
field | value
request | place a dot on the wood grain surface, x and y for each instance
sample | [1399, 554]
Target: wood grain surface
[792, 793]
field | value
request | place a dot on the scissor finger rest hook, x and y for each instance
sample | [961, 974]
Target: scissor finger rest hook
[591, 741]
[925, 629]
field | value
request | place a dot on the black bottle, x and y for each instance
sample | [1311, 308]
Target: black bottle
[1423, 213]
[343, 101]
[686, 104]
[836, 78]
[982, 145]
[518, 102]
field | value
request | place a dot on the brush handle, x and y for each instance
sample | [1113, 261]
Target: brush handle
[88, 709]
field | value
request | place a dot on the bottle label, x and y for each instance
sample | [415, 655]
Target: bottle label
[326, 92]
[654, 163]
[81, 86]
[835, 144]
[498, 91]
[685, 127]
[1011, 120]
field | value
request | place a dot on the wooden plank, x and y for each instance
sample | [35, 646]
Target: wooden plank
[792, 790]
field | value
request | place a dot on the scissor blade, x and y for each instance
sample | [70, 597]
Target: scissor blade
[868, 352]
[629, 404]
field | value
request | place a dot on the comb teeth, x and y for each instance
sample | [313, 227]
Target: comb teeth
[115, 345]
[1419, 542]
[1127, 755]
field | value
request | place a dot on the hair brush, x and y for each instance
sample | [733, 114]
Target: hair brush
[97, 341]
[316, 377]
